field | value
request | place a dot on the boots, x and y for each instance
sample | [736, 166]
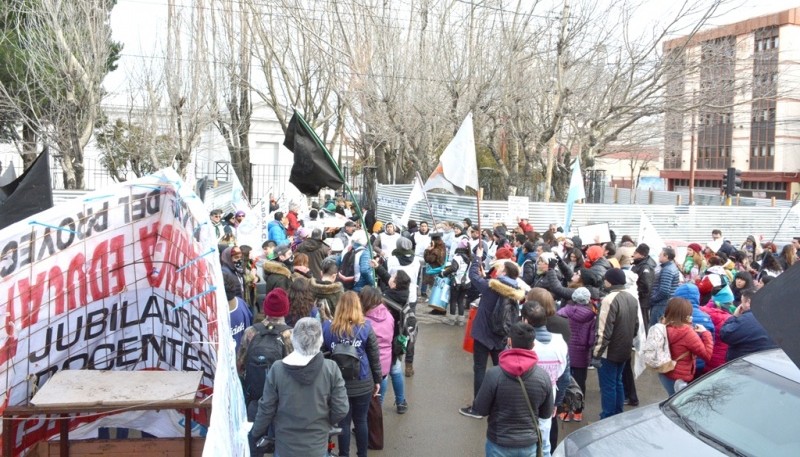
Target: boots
[409, 369]
[460, 321]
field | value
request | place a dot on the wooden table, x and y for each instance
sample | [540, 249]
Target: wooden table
[94, 391]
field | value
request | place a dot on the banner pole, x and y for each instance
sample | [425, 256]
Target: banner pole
[478, 197]
[430, 211]
[347, 187]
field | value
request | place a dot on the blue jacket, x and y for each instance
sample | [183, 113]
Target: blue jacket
[665, 284]
[744, 335]
[490, 291]
[366, 275]
[277, 232]
[690, 292]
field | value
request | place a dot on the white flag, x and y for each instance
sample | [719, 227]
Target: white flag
[458, 164]
[649, 236]
[416, 196]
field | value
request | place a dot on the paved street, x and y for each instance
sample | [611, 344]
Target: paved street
[443, 383]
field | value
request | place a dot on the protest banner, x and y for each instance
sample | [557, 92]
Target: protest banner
[122, 279]
[517, 207]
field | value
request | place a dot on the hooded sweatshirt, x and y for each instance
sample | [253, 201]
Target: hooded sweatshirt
[383, 326]
[312, 385]
[405, 260]
[501, 398]
[691, 293]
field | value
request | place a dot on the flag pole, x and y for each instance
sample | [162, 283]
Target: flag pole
[430, 211]
[478, 196]
[347, 187]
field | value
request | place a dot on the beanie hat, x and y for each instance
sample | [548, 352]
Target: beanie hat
[239, 213]
[615, 276]
[404, 244]
[303, 233]
[276, 304]
[581, 295]
[690, 292]
[643, 249]
[695, 247]
[594, 253]
[724, 296]
[463, 243]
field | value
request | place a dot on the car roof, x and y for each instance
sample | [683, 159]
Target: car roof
[776, 361]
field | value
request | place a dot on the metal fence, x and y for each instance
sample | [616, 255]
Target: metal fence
[702, 197]
[690, 223]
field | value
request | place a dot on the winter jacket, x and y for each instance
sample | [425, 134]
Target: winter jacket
[228, 266]
[744, 335]
[364, 274]
[294, 224]
[490, 291]
[406, 261]
[718, 317]
[550, 281]
[684, 339]
[529, 268]
[276, 274]
[383, 326]
[599, 269]
[366, 343]
[327, 291]
[583, 330]
[459, 260]
[691, 293]
[277, 232]
[525, 227]
[559, 324]
[400, 298]
[316, 251]
[501, 398]
[435, 256]
[645, 268]
[617, 326]
[665, 284]
[317, 389]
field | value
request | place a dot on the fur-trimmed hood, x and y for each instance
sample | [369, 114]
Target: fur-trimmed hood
[506, 290]
[276, 268]
[325, 287]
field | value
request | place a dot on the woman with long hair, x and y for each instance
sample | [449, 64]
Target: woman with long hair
[770, 266]
[787, 257]
[685, 343]
[301, 301]
[694, 264]
[300, 267]
[350, 327]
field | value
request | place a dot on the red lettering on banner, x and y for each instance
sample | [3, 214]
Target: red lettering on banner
[148, 240]
[76, 283]
[117, 270]
[30, 298]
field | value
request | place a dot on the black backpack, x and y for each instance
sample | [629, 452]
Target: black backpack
[348, 268]
[504, 315]
[346, 357]
[265, 349]
[573, 397]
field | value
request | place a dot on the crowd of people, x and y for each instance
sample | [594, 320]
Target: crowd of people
[548, 308]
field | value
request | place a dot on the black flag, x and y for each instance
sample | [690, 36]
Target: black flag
[312, 169]
[27, 195]
[775, 307]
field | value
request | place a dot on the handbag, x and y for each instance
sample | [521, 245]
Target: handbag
[539, 450]
[375, 424]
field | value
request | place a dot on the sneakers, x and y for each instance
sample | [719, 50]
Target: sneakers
[402, 407]
[565, 416]
[577, 417]
[469, 412]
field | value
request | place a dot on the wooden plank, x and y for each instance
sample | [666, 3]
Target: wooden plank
[155, 447]
[88, 388]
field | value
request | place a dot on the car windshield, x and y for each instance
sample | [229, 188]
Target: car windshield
[744, 409]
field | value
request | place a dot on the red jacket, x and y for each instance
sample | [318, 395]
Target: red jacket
[525, 226]
[718, 317]
[683, 339]
[294, 224]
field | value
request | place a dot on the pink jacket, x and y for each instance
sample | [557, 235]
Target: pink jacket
[718, 317]
[383, 326]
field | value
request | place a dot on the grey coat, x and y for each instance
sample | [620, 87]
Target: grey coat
[303, 403]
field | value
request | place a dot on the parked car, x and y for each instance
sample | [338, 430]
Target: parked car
[748, 407]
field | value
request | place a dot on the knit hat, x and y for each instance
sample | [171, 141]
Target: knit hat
[594, 253]
[281, 250]
[643, 249]
[499, 232]
[404, 243]
[458, 225]
[695, 247]
[615, 277]
[239, 213]
[276, 304]
[581, 295]
[724, 296]
[504, 254]
[690, 292]
[463, 243]
[377, 227]
[303, 233]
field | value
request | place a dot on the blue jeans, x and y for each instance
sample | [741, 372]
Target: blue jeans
[358, 416]
[669, 384]
[612, 392]
[398, 383]
[656, 313]
[493, 450]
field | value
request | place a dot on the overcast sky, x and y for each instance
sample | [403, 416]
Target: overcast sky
[141, 24]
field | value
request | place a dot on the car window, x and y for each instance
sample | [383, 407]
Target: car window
[752, 410]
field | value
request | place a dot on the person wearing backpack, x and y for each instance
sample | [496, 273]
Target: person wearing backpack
[304, 382]
[262, 345]
[403, 258]
[486, 331]
[349, 337]
[395, 289]
[459, 272]
[686, 341]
